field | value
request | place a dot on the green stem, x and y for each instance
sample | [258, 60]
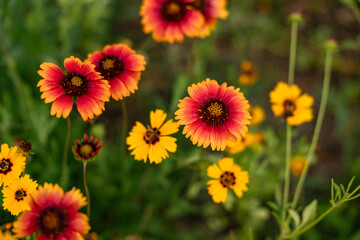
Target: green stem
[124, 125]
[65, 170]
[293, 45]
[291, 77]
[86, 190]
[320, 118]
[287, 171]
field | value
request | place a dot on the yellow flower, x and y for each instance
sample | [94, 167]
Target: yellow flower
[250, 140]
[249, 74]
[228, 176]
[152, 142]
[288, 103]
[16, 194]
[12, 163]
[297, 165]
[6, 236]
[258, 115]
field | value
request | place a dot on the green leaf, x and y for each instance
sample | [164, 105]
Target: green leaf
[309, 212]
[273, 206]
[278, 195]
[295, 216]
[350, 183]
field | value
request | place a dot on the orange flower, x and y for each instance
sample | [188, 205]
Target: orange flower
[170, 20]
[55, 214]
[297, 165]
[213, 114]
[252, 140]
[249, 74]
[121, 66]
[212, 10]
[81, 83]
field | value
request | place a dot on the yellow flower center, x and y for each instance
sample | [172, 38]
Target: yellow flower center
[20, 194]
[215, 109]
[86, 149]
[151, 136]
[108, 64]
[52, 222]
[173, 8]
[214, 112]
[76, 81]
[289, 108]
[5, 166]
[227, 179]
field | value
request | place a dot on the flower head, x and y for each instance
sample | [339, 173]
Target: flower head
[212, 10]
[249, 74]
[287, 102]
[297, 165]
[250, 140]
[23, 145]
[16, 194]
[153, 141]
[6, 236]
[170, 20]
[87, 149]
[258, 115]
[121, 66]
[12, 164]
[81, 83]
[228, 176]
[213, 114]
[54, 213]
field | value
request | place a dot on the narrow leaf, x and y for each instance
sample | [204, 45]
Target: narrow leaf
[295, 216]
[309, 212]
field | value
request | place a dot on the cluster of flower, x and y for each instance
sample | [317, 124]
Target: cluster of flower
[213, 115]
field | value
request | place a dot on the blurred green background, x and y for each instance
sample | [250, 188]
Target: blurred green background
[133, 200]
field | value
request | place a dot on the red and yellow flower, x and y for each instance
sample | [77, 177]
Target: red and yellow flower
[171, 20]
[213, 114]
[227, 176]
[212, 10]
[12, 164]
[55, 214]
[81, 84]
[121, 66]
[288, 102]
[6, 236]
[153, 141]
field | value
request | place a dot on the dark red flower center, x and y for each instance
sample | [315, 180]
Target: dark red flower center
[152, 135]
[110, 67]
[52, 222]
[174, 10]
[74, 84]
[214, 112]
[227, 179]
[5, 166]
[20, 194]
[289, 108]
